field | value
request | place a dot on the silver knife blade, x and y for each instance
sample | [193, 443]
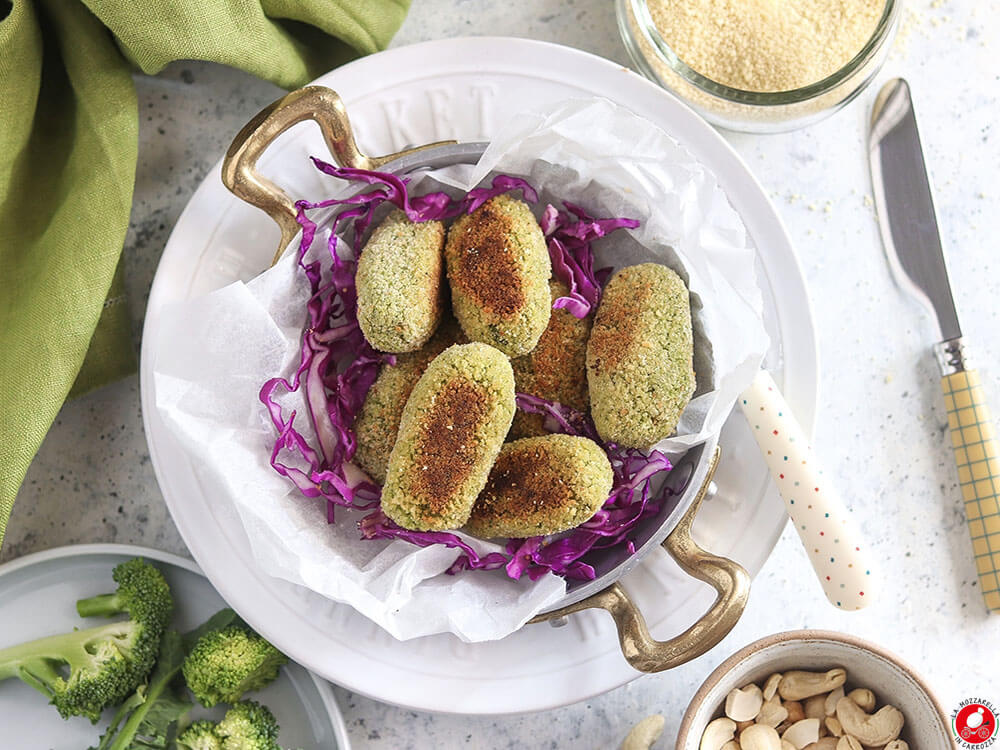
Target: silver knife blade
[905, 208]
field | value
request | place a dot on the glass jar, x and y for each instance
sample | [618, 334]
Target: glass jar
[752, 111]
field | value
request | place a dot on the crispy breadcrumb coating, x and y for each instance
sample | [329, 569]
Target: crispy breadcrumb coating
[498, 270]
[450, 433]
[399, 280]
[542, 485]
[639, 356]
[377, 423]
[556, 369]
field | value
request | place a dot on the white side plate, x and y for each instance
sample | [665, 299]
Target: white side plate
[38, 596]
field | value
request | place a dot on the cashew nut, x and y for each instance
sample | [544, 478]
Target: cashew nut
[823, 743]
[771, 686]
[717, 733]
[772, 712]
[847, 742]
[833, 726]
[815, 707]
[744, 705]
[874, 730]
[831, 701]
[760, 737]
[644, 734]
[795, 711]
[864, 698]
[797, 685]
[802, 733]
[799, 710]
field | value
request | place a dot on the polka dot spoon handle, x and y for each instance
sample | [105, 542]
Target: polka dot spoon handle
[828, 532]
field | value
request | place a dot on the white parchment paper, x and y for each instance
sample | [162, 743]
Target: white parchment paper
[217, 350]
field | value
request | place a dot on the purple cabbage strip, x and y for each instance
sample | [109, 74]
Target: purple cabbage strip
[569, 235]
[334, 394]
[377, 525]
[502, 183]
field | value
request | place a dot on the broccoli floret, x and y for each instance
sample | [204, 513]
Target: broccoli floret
[85, 671]
[143, 594]
[248, 726]
[200, 736]
[225, 664]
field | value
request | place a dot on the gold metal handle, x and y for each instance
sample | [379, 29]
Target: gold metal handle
[317, 103]
[729, 579]
[974, 439]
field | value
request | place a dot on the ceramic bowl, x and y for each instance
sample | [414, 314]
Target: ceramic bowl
[868, 666]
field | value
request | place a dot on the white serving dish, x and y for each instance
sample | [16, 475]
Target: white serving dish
[461, 88]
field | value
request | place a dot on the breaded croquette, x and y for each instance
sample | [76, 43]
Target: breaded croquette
[556, 369]
[542, 485]
[639, 356]
[450, 433]
[378, 421]
[498, 270]
[399, 280]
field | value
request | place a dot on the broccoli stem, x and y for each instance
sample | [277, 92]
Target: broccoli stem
[104, 605]
[34, 661]
[168, 666]
[67, 648]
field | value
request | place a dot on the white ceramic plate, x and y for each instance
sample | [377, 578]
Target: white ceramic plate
[38, 596]
[463, 89]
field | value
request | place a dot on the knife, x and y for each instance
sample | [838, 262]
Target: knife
[909, 231]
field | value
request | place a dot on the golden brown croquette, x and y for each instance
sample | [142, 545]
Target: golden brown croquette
[450, 433]
[378, 421]
[556, 369]
[399, 280]
[639, 356]
[542, 485]
[498, 270]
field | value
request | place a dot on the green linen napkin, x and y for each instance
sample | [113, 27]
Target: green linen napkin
[68, 139]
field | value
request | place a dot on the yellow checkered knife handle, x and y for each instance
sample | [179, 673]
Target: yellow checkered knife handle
[973, 436]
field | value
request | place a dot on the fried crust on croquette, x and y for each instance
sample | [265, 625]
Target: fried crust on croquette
[399, 282]
[542, 485]
[498, 270]
[639, 356]
[450, 433]
[377, 423]
[556, 369]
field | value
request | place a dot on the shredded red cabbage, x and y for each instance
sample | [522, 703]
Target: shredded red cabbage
[569, 234]
[334, 392]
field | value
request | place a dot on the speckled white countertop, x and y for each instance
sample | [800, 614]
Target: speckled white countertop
[881, 424]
